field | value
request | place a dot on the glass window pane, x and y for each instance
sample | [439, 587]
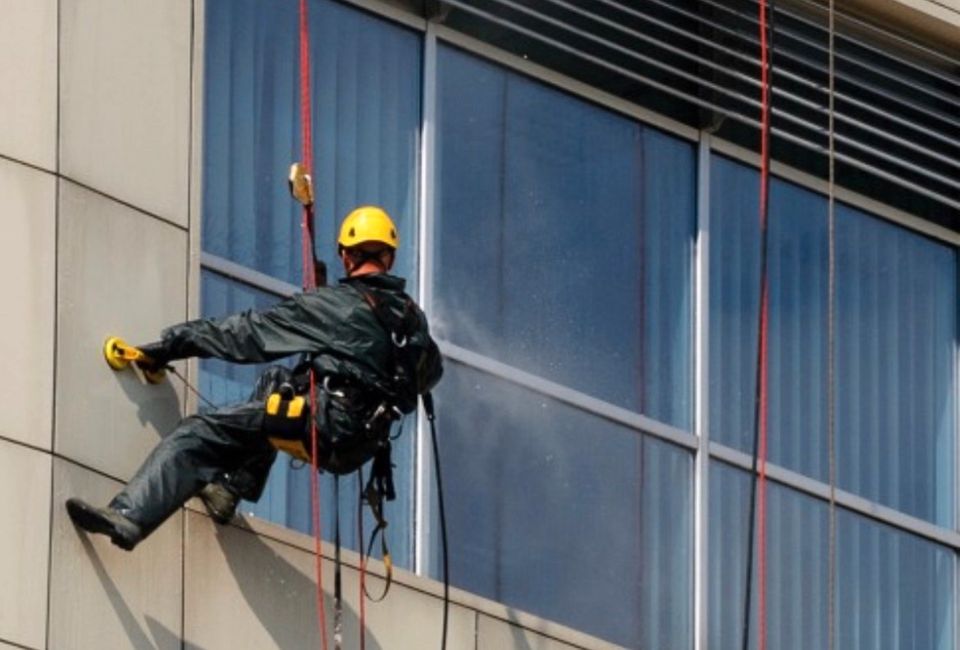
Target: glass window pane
[896, 334]
[564, 237]
[365, 81]
[893, 590]
[286, 499]
[797, 317]
[566, 515]
[896, 391]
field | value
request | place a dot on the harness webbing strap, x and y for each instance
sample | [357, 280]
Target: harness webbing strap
[758, 474]
[374, 499]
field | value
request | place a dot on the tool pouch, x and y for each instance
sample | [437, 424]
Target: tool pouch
[286, 414]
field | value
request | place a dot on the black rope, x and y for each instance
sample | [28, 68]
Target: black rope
[764, 250]
[431, 418]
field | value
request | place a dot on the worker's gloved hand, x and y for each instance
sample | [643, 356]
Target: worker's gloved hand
[158, 354]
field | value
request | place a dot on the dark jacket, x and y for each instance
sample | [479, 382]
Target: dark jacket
[335, 325]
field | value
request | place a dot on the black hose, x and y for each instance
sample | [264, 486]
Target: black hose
[431, 417]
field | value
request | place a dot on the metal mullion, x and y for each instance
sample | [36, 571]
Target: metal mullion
[641, 424]
[246, 275]
[847, 500]
[701, 596]
[424, 473]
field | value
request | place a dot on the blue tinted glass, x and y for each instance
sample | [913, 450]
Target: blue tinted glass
[286, 500]
[896, 332]
[366, 111]
[563, 238]
[797, 556]
[896, 336]
[797, 317]
[894, 590]
[566, 515]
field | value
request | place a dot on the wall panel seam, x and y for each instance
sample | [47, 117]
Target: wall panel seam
[124, 203]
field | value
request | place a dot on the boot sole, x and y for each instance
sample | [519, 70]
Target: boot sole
[218, 515]
[92, 521]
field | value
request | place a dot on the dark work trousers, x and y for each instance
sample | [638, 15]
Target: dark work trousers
[227, 445]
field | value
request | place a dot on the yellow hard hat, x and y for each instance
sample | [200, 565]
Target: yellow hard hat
[365, 224]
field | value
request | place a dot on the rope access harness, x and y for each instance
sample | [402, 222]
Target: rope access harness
[758, 501]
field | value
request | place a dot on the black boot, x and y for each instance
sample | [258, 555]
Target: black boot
[220, 502]
[106, 521]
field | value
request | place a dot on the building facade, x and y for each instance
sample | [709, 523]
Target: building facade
[577, 193]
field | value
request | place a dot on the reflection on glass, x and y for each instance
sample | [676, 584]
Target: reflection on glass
[565, 515]
[366, 116]
[893, 589]
[563, 238]
[896, 333]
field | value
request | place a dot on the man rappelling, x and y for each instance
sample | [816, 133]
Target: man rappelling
[365, 343]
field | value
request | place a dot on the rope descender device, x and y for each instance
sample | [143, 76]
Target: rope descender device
[119, 355]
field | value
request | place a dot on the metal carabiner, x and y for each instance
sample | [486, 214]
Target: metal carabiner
[330, 391]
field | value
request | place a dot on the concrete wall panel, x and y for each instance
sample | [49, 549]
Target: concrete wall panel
[104, 597]
[124, 273]
[28, 77]
[125, 100]
[27, 261]
[496, 634]
[266, 589]
[25, 544]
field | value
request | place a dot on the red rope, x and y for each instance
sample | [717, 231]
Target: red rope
[764, 317]
[310, 282]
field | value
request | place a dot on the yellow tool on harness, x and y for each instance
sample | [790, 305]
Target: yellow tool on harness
[292, 411]
[119, 355]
